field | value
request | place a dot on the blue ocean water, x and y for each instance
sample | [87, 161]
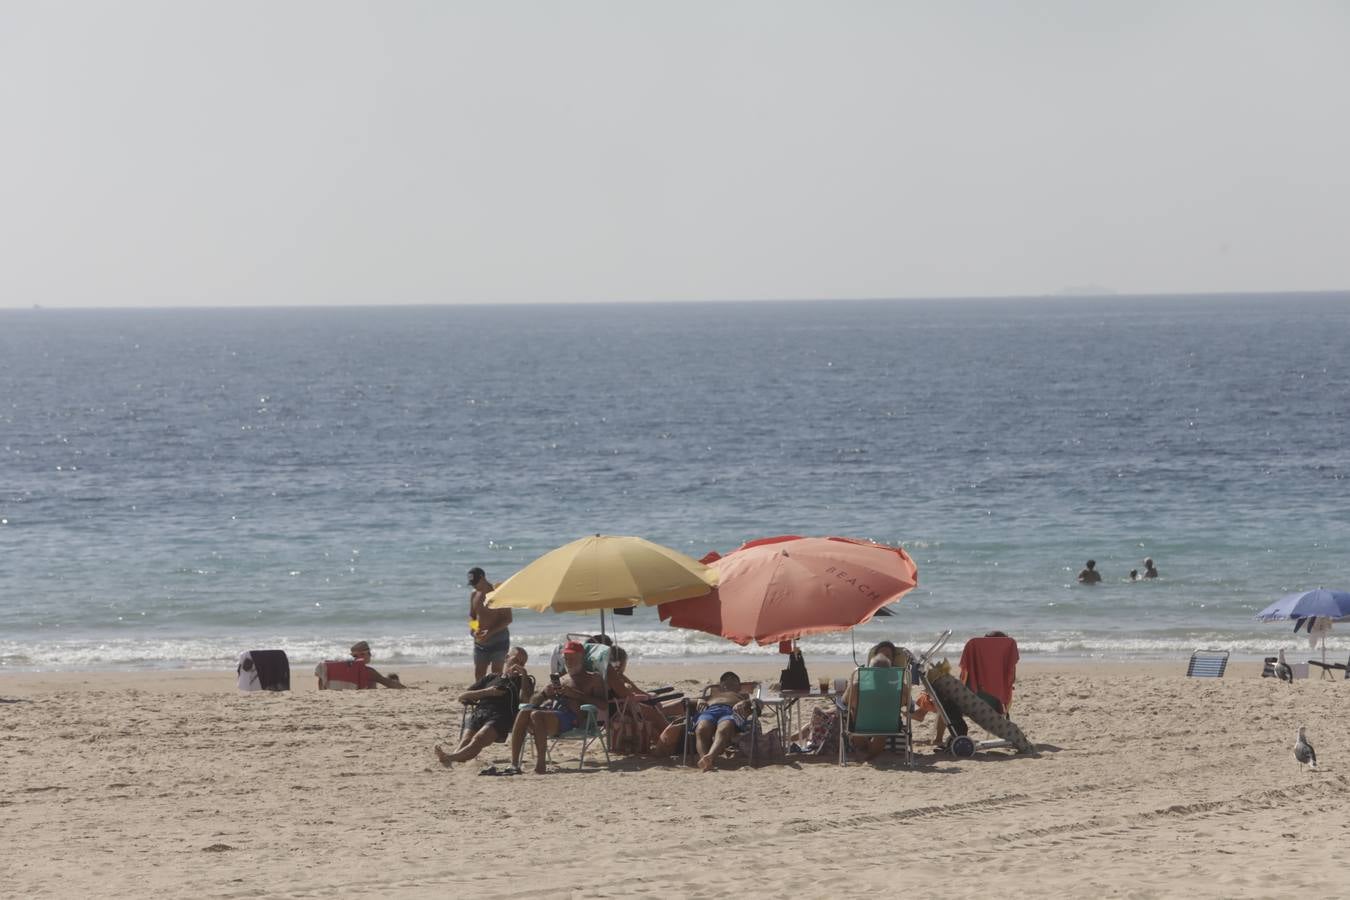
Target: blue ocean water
[178, 485]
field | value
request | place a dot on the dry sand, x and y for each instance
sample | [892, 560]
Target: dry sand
[1149, 784]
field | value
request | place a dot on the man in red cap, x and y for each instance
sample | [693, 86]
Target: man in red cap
[564, 697]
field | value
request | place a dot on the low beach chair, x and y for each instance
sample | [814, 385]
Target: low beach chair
[1329, 668]
[630, 730]
[878, 711]
[343, 675]
[1207, 664]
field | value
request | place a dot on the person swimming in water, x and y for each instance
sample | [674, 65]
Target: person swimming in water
[1090, 575]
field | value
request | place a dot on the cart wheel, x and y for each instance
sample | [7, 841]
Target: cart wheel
[963, 747]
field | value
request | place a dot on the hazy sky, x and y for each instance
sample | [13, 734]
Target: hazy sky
[190, 153]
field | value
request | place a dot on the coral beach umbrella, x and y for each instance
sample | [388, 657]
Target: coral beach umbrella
[783, 588]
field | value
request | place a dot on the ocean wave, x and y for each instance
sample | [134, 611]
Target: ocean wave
[220, 652]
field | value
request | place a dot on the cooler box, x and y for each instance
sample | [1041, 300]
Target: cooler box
[343, 675]
[263, 670]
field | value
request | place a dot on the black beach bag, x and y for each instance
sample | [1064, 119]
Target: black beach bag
[794, 677]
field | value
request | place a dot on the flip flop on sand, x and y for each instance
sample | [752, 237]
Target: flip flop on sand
[509, 770]
[491, 770]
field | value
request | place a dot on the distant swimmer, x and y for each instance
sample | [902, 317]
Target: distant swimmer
[1090, 575]
[1134, 574]
[1149, 570]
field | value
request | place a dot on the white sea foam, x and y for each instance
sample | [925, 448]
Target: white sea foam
[656, 646]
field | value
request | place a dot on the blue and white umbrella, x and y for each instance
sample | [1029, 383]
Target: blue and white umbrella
[1314, 608]
[1320, 603]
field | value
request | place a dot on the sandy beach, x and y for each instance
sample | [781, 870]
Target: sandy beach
[1147, 785]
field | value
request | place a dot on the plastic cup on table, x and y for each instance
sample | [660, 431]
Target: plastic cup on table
[840, 685]
[824, 685]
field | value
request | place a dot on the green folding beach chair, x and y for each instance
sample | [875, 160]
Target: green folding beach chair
[878, 711]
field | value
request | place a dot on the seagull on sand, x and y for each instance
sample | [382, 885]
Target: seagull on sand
[1282, 670]
[1303, 751]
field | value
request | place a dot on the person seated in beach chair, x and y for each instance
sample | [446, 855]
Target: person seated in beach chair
[565, 697]
[898, 656]
[494, 699]
[870, 746]
[354, 673]
[643, 715]
[663, 699]
[723, 713]
[818, 736]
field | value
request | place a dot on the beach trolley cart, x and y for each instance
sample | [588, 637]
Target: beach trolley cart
[949, 693]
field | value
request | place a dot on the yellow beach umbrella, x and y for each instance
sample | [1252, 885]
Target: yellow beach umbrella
[604, 572]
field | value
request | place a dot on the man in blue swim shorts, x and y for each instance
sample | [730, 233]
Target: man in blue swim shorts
[725, 714]
[565, 696]
[490, 627]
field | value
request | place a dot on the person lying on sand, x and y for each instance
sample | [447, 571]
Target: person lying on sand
[361, 651]
[725, 713]
[565, 696]
[494, 698]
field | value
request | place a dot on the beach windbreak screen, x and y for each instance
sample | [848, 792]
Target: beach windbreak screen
[179, 485]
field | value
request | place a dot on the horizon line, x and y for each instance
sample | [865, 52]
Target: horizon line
[1089, 297]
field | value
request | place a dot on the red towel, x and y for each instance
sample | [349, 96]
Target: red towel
[989, 664]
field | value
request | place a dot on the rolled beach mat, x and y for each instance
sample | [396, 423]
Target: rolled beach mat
[952, 691]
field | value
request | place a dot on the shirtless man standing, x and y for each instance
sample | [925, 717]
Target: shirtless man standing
[492, 639]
